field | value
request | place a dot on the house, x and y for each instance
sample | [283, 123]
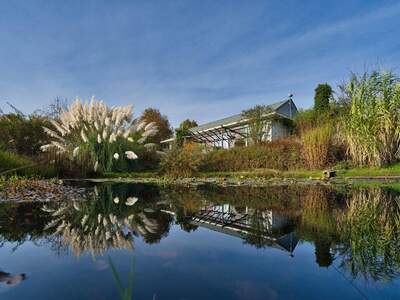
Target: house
[235, 130]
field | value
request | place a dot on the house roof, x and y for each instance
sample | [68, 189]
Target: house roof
[235, 118]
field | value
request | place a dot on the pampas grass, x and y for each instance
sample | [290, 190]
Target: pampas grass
[92, 133]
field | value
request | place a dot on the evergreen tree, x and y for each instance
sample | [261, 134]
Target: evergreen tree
[323, 95]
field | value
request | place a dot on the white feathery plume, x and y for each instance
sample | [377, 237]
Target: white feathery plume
[84, 137]
[140, 126]
[75, 151]
[107, 121]
[104, 134]
[44, 148]
[149, 126]
[130, 155]
[150, 146]
[131, 200]
[142, 140]
[112, 138]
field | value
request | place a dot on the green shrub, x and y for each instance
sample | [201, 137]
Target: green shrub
[282, 155]
[24, 166]
[21, 134]
[182, 162]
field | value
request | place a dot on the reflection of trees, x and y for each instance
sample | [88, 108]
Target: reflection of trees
[21, 222]
[359, 228]
[320, 212]
[372, 234]
[185, 203]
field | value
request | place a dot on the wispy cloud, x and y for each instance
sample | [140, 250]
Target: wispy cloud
[201, 60]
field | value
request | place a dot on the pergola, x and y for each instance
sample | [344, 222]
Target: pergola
[217, 136]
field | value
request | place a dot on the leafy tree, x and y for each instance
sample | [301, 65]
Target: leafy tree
[187, 124]
[258, 123]
[323, 95]
[183, 131]
[162, 123]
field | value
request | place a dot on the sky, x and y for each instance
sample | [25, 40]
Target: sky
[201, 60]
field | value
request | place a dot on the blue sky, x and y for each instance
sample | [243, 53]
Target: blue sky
[191, 59]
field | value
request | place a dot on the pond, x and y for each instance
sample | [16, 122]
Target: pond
[204, 242]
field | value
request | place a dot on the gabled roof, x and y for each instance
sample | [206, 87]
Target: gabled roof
[236, 118]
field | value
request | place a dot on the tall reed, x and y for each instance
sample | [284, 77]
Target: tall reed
[372, 127]
[316, 144]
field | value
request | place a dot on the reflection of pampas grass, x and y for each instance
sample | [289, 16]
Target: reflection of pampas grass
[86, 125]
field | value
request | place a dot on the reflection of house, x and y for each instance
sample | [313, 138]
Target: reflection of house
[263, 228]
[229, 131]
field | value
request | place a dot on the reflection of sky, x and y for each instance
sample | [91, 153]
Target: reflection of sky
[182, 266]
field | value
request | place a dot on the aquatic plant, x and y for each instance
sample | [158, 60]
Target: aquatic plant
[124, 293]
[96, 135]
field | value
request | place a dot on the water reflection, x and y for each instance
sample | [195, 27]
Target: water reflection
[356, 231]
[10, 279]
[102, 223]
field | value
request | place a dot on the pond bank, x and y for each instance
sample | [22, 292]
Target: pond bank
[27, 190]
[237, 181]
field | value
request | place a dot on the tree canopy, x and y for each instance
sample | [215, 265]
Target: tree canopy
[183, 130]
[162, 123]
[323, 95]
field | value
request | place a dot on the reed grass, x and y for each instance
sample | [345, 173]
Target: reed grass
[372, 127]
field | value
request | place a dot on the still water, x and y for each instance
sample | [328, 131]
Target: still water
[203, 243]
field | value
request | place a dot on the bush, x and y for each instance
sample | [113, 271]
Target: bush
[9, 161]
[22, 135]
[316, 145]
[282, 155]
[182, 162]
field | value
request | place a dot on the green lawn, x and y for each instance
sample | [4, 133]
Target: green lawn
[393, 170]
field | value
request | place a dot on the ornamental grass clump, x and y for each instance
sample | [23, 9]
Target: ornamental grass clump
[96, 136]
[372, 127]
[316, 145]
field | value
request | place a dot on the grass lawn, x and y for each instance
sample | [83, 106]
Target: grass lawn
[393, 170]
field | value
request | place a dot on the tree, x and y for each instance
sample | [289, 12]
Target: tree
[323, 95]
[187, 124]
[258, 122]
[162, 123]
[183, 130]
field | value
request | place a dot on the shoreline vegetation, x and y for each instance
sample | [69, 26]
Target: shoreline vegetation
[353, 134]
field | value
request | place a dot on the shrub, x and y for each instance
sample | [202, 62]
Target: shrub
[316, 145]
[182, 161]
[282, 154]
[22, 135]
[24, 166]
